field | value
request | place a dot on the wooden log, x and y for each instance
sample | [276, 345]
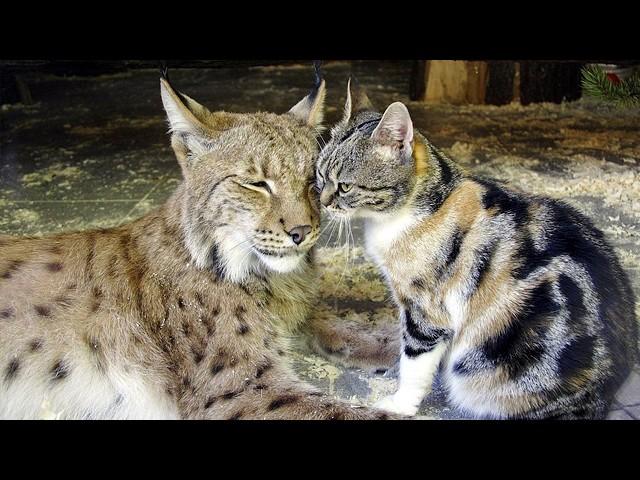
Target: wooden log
[549, 82]
[417, 82]
[456, 82]
[497, 83]
[500, 83]
[516, 83]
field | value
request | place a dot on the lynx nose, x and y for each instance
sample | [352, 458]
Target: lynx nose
[299, 233]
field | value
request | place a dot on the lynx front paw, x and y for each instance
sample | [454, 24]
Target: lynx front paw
[399, 405]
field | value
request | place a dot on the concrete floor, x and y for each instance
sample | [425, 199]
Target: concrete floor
[93, 152]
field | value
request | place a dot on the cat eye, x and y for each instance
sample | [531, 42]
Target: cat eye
[344, 187]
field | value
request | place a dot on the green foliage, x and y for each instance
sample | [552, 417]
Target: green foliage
[595, 83]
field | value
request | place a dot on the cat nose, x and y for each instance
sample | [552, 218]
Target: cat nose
[299, 233]
[326, 196]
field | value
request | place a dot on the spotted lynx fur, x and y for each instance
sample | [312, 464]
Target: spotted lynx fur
[517, 298]
[186, 312]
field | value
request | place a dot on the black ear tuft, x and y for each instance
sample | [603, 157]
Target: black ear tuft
[318, 73]
[164, 73]
[164, 70]
[311, 108]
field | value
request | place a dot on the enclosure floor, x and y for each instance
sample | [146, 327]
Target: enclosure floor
[93, 152]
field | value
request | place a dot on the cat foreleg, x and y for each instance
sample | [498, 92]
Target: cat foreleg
[416, 377]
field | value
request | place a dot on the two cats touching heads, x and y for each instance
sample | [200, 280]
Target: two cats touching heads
[516, 299]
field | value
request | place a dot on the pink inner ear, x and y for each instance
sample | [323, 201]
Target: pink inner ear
[392, 136]
[395, 126]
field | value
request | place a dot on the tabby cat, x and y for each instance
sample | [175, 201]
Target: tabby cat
[185, 312]
[517, 298]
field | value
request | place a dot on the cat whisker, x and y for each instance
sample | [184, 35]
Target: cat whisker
[246, 255]
[240, 243]
[332, 222]
[325, 228]
[353, 242]
[343, 221]
[328, 226]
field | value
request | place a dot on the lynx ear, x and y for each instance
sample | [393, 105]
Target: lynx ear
[185, 115]
[310, 110]
[192, 126]
[357, 101]
[395, 127]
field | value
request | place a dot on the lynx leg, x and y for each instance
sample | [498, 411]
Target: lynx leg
[285, 402]
[354, 344]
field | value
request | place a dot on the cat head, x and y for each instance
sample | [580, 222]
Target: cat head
[248, 202]
[367, 167]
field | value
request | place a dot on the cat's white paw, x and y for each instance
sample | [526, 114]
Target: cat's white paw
[398, 405]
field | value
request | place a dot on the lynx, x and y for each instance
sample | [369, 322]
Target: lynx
[186, 312]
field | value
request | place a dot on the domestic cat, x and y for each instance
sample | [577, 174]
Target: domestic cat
[517, 298]
[185, 313]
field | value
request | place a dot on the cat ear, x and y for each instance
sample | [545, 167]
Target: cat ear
[357, 101]
[185, 115]
[310, 110]
[395, 127]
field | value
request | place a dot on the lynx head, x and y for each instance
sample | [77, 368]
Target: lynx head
[367, 167]
[248, 197]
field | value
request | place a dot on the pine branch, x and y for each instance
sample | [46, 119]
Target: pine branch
[595, 83]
